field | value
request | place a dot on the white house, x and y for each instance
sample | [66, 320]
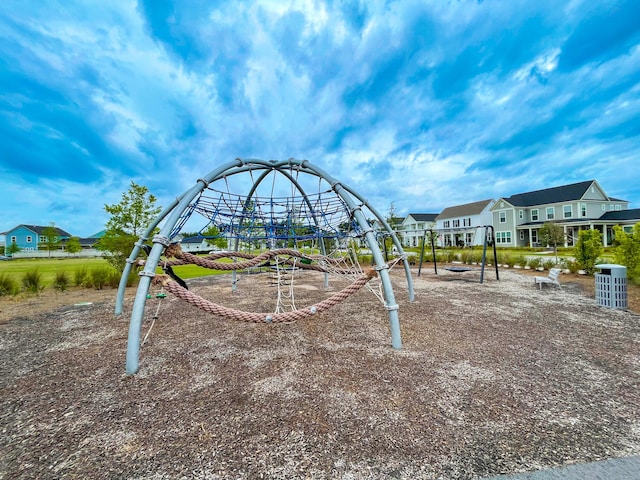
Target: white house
[461, 225]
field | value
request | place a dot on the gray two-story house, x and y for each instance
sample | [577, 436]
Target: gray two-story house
[585, 205]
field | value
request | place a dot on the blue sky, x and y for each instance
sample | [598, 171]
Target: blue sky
[427, 103]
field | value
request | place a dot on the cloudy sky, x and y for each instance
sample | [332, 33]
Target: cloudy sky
[427, 103]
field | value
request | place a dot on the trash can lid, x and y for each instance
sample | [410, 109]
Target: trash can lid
[610, 265]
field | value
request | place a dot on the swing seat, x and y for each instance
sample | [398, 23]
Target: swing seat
[458, 269]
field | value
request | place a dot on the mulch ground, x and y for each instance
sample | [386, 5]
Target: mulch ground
[493, 378]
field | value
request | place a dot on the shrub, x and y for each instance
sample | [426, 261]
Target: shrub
[99, 277]
[508, 260]
[547, 263]
[8, 286]
[32, 281]
[521, 261]
[572, 266]
[80, 277]
[627, 251]
[466, 256]
[587, 250]
[61, 281]
[114, 278]
[534, 262]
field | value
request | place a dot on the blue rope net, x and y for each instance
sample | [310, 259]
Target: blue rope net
[272, 220]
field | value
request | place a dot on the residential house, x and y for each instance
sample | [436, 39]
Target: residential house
[414, 226]
[461, 225]
[585, 205]
[197, 244]
[30, 237]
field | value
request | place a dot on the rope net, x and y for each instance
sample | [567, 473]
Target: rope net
[292, 216]
[283, 259]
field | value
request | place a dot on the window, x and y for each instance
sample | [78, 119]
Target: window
[503, 237]
[521, 214]
[611, 207]
[43, 238]
[14, 239]
[604, 207]
[567, 211]
[469, 239]
[521, 234]
[534, 215]
[456, 224]
[29, 238]
[618, 207]
[466, 222]
[534, 237]
[550, 213]
[583, 209]
[502, 217]
[446, 224]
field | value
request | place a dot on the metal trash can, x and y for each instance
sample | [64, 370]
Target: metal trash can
[611, 286]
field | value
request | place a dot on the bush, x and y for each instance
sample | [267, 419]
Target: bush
[61, 281]
[587, 250]
[547, 263]
[32, 281]
[534, 262]
[572, 266]
[521, 261]
[8, 286]
[114, 278]
[627, 251]
[80, 277]
[508, 260]
[99, 277]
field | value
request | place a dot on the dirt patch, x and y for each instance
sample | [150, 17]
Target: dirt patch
[492, 378]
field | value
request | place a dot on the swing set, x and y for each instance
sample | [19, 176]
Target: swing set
[488, 239]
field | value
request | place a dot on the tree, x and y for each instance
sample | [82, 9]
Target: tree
[587, 250]
[552, 234]
[129, 220]
[627, 250]
[13, 248]
[51, 240]
[213, 237]
[73, 245]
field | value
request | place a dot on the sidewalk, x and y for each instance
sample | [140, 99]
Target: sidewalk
[626, 468]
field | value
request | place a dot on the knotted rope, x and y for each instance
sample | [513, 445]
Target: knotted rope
[182, 258]
[254, 317]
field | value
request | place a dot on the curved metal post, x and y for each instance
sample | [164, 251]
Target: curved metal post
[381, 266]
[122, 286]
[160, 241]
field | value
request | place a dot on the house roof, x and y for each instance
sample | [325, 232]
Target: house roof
[465, 210]
[194, 239]
[630, 214]
[564, 193]
[423, 217]
[40, 230]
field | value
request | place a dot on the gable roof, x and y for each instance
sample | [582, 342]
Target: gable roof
[423, 217]
[630, 214]
[40, 230]
[564, 193]
[467, 209]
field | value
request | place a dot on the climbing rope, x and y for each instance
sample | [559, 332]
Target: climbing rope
[254, 317]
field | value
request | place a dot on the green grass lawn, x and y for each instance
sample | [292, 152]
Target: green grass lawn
[49, 267]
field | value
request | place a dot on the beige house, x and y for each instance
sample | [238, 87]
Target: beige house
[578, 206]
